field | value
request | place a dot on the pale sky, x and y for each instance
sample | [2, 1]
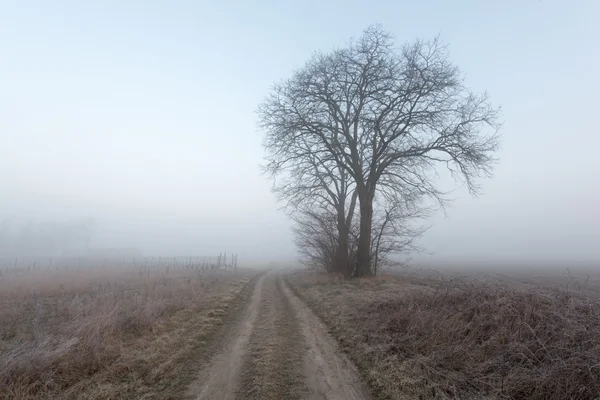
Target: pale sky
[141, 114]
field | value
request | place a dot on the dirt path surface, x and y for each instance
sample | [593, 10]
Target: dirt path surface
[278, 349]
[219, 378]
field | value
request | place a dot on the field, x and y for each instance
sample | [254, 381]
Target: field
[164, 333]
[423, 335]
[110, 333]
[124, 332]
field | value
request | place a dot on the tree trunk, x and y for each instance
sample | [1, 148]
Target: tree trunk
[363, 267]
[342, 256]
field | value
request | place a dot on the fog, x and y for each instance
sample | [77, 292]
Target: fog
[138, 121]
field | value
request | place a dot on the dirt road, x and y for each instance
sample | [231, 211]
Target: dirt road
[277, 349]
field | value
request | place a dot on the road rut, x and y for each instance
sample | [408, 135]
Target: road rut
[278, 349]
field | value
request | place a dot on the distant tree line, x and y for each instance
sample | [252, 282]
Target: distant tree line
[354, 143]
[43, 238]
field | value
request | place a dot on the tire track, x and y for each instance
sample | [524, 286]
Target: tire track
[328, 371]
[218, 380]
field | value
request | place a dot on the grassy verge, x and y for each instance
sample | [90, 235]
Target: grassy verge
[419, 339]
[109, 334]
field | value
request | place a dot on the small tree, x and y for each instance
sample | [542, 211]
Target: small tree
[395, 232]
[317, 239]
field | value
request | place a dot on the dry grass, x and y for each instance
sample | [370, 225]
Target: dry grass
[417, 338]
[108, 333]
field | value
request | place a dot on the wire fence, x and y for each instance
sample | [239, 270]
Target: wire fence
[20, 264]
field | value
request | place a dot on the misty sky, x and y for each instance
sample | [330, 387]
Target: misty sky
[141, 115]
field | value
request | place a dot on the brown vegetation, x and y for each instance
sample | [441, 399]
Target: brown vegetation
[421, 338]
[108, 333]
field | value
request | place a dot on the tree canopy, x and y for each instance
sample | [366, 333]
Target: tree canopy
[379, 121]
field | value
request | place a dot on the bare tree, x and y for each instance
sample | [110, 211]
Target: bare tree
[388, 118]
[317, 191]
[317, 238]
[396, 228]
